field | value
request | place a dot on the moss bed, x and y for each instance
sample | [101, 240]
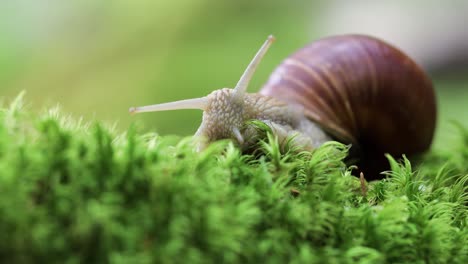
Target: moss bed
[74, 192]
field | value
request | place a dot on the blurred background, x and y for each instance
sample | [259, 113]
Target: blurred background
[97, 58]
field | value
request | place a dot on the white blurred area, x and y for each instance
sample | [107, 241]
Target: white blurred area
[36, 24]
[434, 33]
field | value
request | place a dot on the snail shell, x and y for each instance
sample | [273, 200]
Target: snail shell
[362, 91]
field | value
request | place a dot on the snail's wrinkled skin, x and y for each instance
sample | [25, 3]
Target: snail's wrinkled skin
[226, 117]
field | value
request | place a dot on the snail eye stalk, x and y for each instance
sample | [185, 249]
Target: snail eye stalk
[195, 103]
[244, 81]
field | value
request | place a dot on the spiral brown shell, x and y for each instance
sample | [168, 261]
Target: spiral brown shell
[362, 91]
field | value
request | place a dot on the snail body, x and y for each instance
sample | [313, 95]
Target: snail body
[352, 88]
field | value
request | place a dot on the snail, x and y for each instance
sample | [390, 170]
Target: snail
[355, 89]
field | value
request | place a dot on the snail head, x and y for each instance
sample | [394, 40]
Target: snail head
[224, 111]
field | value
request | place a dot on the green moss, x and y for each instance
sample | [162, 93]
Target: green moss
[81, 193]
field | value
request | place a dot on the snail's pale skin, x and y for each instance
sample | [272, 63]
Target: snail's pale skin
[225, 117]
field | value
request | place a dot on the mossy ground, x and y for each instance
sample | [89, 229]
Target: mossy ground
[72, 192]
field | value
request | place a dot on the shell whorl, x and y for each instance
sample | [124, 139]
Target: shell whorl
[361, 90]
